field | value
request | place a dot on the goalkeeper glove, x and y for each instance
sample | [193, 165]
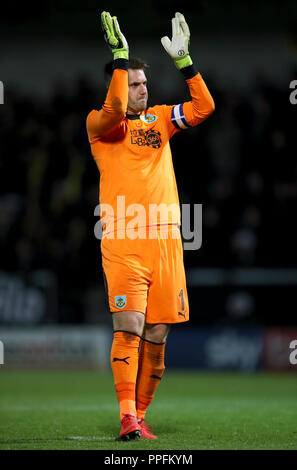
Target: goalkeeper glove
[114, 37]
[177, 48]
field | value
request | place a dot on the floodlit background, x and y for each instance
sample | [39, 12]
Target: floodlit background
[240, 164]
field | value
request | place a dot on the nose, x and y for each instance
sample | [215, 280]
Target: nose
[142, 89]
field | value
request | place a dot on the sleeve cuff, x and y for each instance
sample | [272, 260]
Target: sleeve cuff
[189, 72]
[120, 64]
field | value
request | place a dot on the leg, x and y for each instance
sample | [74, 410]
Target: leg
[151, 365]
[156, 333]
[167, 304]
[128, 327]
[126, 286]
[130, 321]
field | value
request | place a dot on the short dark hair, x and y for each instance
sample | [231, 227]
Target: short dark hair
[134, 63]
[137, 64]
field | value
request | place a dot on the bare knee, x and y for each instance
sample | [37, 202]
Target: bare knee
[128, 321]
[157, 333]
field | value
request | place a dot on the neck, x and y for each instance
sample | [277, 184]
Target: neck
[132, 111]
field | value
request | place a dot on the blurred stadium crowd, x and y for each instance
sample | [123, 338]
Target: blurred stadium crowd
[240, 164]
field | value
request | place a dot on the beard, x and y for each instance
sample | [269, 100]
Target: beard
[137, 106]
[141, 105]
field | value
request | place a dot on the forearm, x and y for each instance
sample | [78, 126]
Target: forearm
[100, 123]
[202, 103]
[113, 111]
[115, 105]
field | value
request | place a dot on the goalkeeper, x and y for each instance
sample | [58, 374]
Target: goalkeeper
[144, 276]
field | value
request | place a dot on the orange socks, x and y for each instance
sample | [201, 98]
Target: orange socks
[150, 370]
[124, 364]
[136, 371]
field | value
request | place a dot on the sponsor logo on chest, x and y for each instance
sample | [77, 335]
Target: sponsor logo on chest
[150, 138]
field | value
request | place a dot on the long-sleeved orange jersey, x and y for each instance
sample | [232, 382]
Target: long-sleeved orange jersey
[133, 155]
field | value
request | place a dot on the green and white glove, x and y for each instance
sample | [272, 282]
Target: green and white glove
[114, 37]
[178, 47]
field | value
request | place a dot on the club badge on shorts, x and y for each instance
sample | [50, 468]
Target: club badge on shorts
[120, 301]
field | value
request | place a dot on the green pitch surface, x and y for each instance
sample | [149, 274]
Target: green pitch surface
[191, 410]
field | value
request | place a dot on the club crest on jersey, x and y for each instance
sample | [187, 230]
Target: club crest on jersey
[120, 301]
[149, 118]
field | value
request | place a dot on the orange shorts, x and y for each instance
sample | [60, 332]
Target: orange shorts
[147, 275]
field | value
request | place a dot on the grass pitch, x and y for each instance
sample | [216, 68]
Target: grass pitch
[50, 410]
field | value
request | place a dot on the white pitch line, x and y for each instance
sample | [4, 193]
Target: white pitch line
[90, 438]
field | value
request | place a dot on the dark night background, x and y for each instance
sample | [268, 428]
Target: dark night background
[240, 163]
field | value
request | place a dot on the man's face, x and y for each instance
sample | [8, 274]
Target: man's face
[137, 96]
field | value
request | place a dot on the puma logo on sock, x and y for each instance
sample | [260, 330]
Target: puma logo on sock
[123, 360]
